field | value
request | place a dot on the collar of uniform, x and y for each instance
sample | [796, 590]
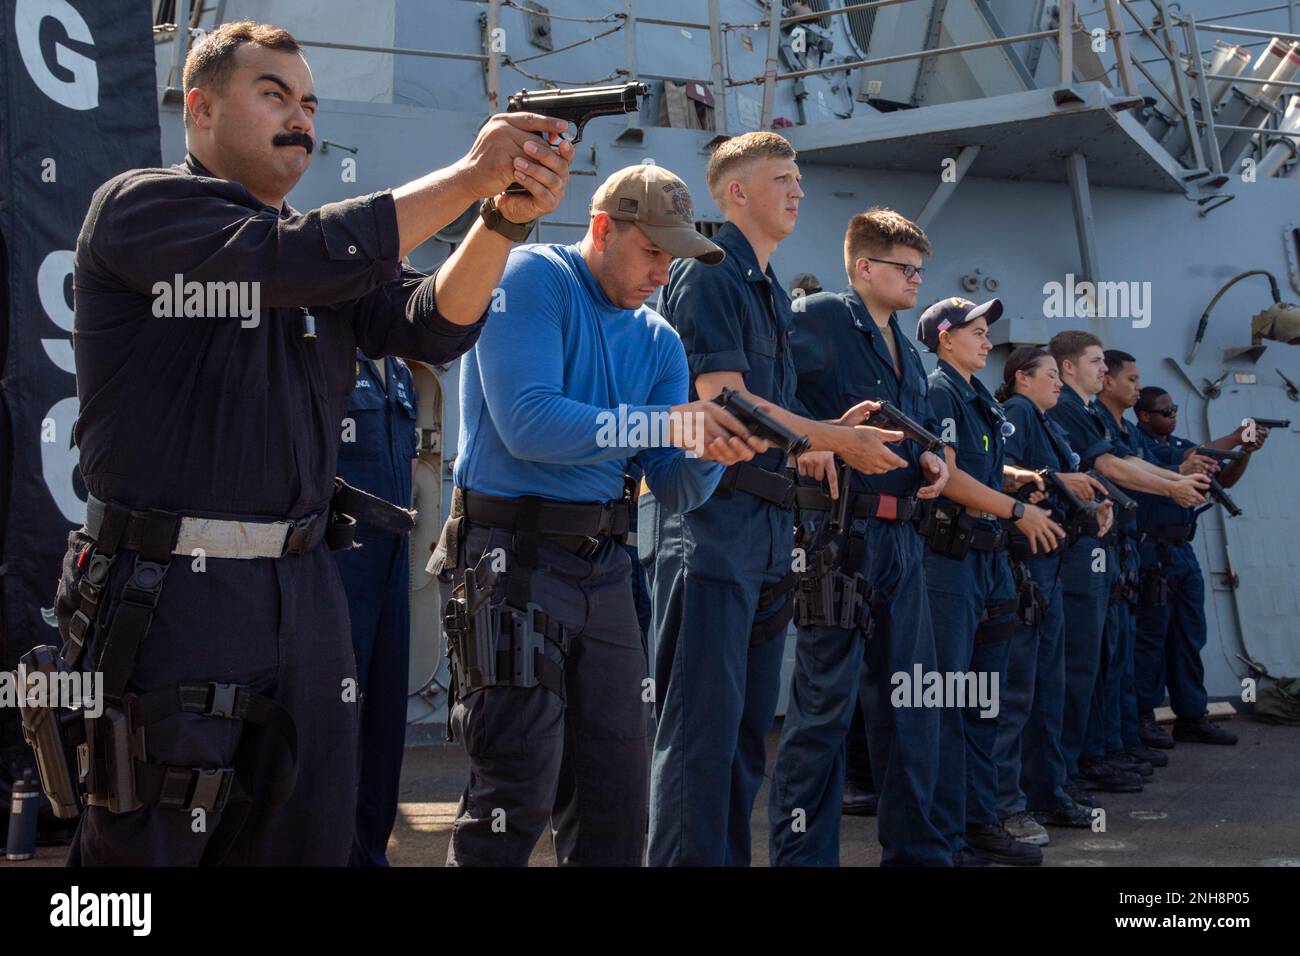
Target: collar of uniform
[1120, 425]
[862, 315]
[964, 388]
[194, 167]
[738, 248]
[1068, 394]
[1152, 435]
[1028, 402]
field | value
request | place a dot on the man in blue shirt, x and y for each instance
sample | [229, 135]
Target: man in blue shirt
[1085, 572]
[848, 347]
[723, 575]
[575, 378]
[375, 452]
[1171, 629]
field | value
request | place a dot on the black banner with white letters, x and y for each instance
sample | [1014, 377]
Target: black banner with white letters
[79, 104]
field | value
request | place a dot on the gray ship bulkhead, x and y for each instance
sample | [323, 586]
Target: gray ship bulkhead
[1008, 228]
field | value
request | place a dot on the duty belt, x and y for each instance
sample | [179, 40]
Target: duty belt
[575, 526]
[1170, 533]
[238, 539]
[951, 530]
[771, 487]
[861, 504]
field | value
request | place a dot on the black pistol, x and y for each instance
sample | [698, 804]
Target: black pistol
[1219, 454]
[1217, 492]
[1075, 509]
[762, 424]
[1220, 494]
[1272, 422]
[890, 416]
[1113, 491]
[579, 106]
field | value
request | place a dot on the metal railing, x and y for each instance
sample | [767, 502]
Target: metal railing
[1184, 94]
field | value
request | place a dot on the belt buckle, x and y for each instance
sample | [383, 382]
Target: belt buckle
[297, 533]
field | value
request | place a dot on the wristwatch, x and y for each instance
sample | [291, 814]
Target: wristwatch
[492, 218]
[1017, 511]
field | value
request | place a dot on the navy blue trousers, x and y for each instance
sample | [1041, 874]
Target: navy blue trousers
[1085, 581]
[376, 578]
[960, 591]
[1113, 724]
[838, 670]
[715, 694]
[1167, 655]
[1031, 768]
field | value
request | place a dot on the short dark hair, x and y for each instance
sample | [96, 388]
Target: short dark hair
[211, 61]
[1115, 358]
[1147, 398]
[876, 231]
[807, 283]
[1067, 346]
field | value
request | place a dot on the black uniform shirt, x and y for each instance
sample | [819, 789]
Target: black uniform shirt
[228, 416]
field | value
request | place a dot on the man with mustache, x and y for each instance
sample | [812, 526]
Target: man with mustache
[230, 668]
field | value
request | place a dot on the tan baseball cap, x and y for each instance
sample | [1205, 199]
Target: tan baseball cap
[660, 204]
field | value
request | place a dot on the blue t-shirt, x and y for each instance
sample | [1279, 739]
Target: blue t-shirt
[564, 387]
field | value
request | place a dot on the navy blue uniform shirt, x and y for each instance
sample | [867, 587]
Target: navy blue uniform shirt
[1083, 425]
[1123, 435]
[1157, 509]
[382, 417]
[209, 415]
[977, 420]
[1038, 442]
[841, 359]
[735, 317]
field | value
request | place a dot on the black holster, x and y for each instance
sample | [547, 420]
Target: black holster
[108, 751]
[1030, 599]
[498, 645]
[1154, 589]
[952, 532]
[825, 595]
[57, 735]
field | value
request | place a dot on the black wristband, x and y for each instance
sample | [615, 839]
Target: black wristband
[492, 218]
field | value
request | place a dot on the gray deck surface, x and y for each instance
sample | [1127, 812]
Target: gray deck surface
[1212, 806]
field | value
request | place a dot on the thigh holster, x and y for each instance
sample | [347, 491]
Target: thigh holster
[102, 760]
[777, 622]
[1031, 602]
[497, 645]
[1153, 586]
[998, 622]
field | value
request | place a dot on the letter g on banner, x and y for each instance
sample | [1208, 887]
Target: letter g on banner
[82, 91]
